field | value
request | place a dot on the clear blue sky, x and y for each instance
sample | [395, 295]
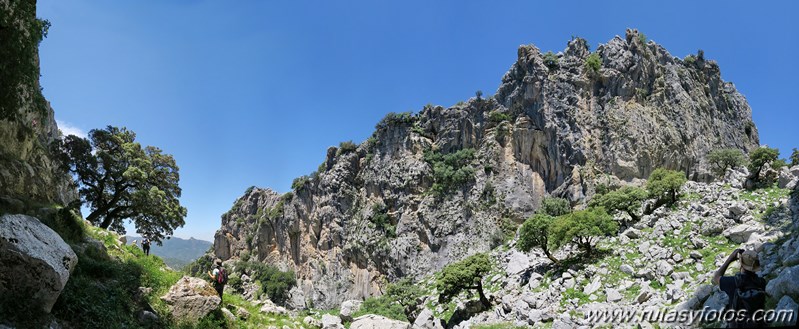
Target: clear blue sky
[253, 92]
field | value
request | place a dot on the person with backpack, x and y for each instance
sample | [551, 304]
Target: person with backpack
[219, 275]
[746, 290]
[145, 246]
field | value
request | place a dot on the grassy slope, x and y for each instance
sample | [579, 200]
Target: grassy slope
[102, 290]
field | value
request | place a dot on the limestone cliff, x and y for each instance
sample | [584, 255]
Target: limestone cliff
[379, 212]
[28, 172]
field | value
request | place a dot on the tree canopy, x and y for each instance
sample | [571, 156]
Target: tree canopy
[464, 275]
[723, 159]
[759, 158]
[583, 228]
[121, 180]
[555, 206]
[535, 233]
[627, 199]
[664, 185]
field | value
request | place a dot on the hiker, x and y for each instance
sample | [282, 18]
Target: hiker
[145, 245]
[746, 290]
[219, 275]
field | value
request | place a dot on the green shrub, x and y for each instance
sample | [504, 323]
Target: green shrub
[664, 185]
[274, 282]
[759, 158]
[300, 183]
[642, 38]
[464, 275]
[582, 228]
[400, 302]
[779, 164]
[551, 60]
[383, 221]
[395, 119]
[450, 170]
[593, 63]
[794, 157]
[724, 159]
[535, 233]
[479, 95]
[382, 305]
[690, 59]
[554, 206]
[497, 116]
[346, 147]
[627, 199]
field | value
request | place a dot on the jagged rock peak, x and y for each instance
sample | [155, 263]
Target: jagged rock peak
[431, 188]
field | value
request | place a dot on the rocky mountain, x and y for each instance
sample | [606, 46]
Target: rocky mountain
[175, 251]
[28, 172]
[431, 188]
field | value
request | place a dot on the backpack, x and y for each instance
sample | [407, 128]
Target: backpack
[221, 277]
[750, 295]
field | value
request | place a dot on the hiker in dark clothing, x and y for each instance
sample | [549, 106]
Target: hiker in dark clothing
[746, 289]
[145, 246]
[219, 275]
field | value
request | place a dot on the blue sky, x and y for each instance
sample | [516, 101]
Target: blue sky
[253, 93]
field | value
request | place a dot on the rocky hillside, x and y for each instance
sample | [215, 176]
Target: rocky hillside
[432, 188]
[666, 261]
[28, 172]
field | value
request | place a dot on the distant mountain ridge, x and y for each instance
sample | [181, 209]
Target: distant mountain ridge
[177, 252]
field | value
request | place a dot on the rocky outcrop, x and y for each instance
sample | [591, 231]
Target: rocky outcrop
[36, 262]
[348, 308]
[554, 127]
[28, 170]
[191, 299]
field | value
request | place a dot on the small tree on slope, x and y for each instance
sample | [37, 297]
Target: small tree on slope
[535, 233]
[464, 275]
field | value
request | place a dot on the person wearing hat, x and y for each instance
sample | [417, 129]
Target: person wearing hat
[219, 275]
[746, 290]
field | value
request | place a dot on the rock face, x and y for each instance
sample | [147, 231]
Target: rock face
[36, 262]
[548, 130]
[27, 125]
[191, 298]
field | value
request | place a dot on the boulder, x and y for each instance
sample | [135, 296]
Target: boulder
[331, 322]
[348, 308]
[37, 258]
[741, 233]
[593, 286]
[371, 321]
[146, 318]
[271, 308]
[718, 301]
[228, 315]
[518, 263]
[191, 299]
[426, 320]
[784, 283]
[311, 322]
[626, 269]
[787, 306]
[613, 295]
[242, 313]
